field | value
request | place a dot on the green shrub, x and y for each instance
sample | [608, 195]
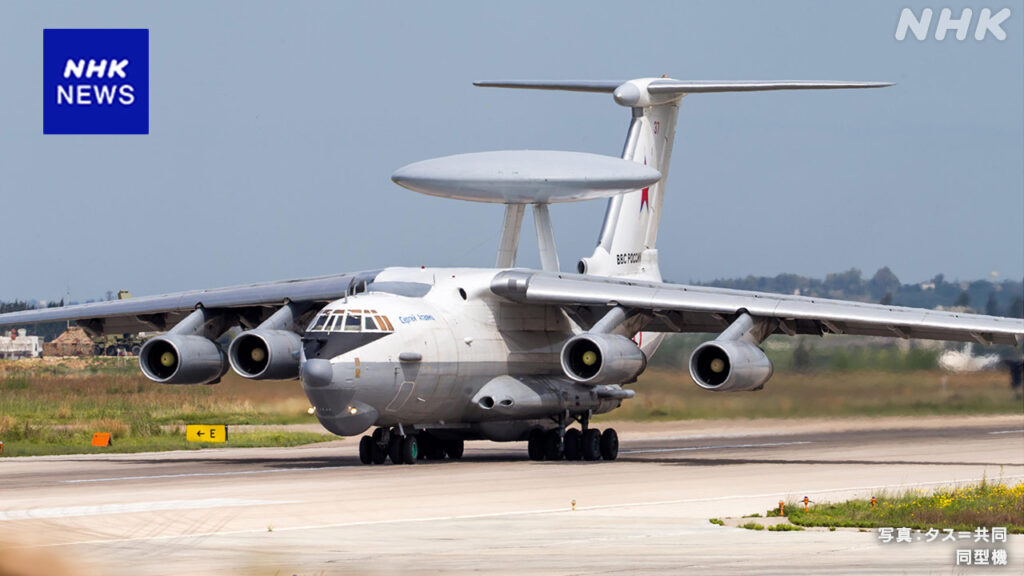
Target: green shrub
[785, 528]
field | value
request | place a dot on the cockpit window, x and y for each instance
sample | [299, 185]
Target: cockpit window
[351, 321]
[354, 321]
[318, 323]
[336, 321]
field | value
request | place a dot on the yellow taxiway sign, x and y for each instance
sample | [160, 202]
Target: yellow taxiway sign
[206, 433]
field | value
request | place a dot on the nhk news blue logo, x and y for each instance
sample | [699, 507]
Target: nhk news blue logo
[95, 81]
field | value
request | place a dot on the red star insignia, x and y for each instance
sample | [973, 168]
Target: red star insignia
[643, 199]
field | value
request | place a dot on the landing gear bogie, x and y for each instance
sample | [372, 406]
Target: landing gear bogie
[401, 448]
[588, 444]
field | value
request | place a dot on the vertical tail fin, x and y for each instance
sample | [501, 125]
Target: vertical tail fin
[626, 246]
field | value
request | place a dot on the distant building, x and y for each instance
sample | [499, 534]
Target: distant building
[18, 344]
[73, 342]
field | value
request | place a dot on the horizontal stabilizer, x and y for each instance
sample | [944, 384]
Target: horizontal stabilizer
[669, 86]
[607, 86]
[643, 92]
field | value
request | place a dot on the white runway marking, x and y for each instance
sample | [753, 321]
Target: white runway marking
[1008, 432]
[562, 510]
[130, 507]
[694, 448]
[193, 474]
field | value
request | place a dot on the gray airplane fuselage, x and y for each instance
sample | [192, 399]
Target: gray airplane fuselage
[437, 349]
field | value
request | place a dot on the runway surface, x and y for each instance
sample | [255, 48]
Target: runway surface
[316, 510]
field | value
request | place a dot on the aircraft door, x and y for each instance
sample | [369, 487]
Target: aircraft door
[404, 390]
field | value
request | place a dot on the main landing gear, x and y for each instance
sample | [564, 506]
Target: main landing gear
[586, 444]
[391, 444]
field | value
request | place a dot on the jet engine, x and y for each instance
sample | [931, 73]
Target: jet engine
[263, 354]
[182, 359]
[729, 366]
[595, 359]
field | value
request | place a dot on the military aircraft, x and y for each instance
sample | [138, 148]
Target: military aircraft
[432, 357]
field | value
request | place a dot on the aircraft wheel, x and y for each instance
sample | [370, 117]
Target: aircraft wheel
[455, 449]
[591, 444]
[432, 447]
[553, 447]
[410, 449]
[366, 450]
[535, 445]
[423, 445]
[395, 449]
[572, 445]
[380, 453]
[610, 444]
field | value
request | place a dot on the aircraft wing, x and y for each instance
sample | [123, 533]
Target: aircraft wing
[252, 303]
[681, 308]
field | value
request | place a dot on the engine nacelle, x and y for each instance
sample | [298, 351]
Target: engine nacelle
[602, 359]
[729, 366]
[266, 354]
[182, 359]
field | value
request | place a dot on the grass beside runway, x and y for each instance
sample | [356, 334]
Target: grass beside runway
[668, 395]
[63, 391]
[965, 508]
[48, 441]
[53, 406]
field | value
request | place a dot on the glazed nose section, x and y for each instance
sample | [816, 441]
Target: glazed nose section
[317, 373]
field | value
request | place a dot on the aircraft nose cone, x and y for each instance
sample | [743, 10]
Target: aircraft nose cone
[317, 373]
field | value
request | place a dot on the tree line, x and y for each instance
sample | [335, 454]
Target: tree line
[1005, 298]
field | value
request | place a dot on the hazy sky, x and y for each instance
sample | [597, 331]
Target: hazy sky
[275, 127]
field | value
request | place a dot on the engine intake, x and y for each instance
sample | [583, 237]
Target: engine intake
[266, 354]
[602, 359]
[729, 366]
[182, 359]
